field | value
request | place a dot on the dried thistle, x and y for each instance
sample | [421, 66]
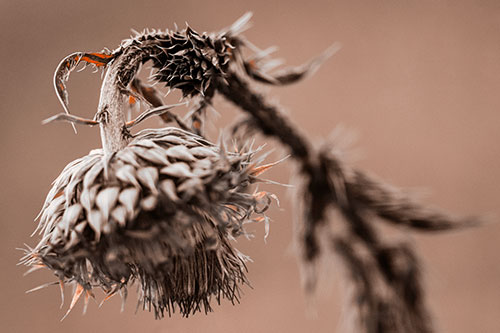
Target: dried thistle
[162, 211]
[388, 295]
[159, 207]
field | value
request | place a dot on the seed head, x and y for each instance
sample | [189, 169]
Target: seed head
[162, 212]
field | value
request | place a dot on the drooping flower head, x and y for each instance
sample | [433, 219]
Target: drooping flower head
[161, 211]
[159, 207]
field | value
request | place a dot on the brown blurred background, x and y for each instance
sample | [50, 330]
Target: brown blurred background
[418, 81]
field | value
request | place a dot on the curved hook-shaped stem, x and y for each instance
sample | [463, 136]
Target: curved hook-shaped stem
[67, 65]
[159, 111]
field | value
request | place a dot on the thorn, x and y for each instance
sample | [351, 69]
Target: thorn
[88, 294]
[256, 171]
[111, 294]
[42, 286]
[34, 268]
[61, 287]
[78, 292]
[260, 195]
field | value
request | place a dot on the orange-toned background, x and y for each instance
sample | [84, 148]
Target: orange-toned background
[419, 82]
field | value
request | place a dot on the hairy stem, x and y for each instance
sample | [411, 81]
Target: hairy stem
[266, 117]
[113, 101]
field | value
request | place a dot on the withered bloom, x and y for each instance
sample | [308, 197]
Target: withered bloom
[162, 211]
[159, 207]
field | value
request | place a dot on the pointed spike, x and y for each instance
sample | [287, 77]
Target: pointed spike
[34, 268]
[78, 292]
[256, 171]
[87, 197]
[127, 156]
[203, 152]
[45, 285]
[123, 295]
[73, 240]
[241, 24]
[111, 294]
[88, 294]
[61, 287]
[154, 154]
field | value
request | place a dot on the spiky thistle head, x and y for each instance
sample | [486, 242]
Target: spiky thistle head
[161, 211]
[159, 207]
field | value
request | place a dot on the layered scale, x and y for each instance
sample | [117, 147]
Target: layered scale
[160, 211]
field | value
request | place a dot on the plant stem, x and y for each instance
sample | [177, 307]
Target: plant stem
[112, 102]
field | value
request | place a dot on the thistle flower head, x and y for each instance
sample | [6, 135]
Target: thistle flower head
[161, 211]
